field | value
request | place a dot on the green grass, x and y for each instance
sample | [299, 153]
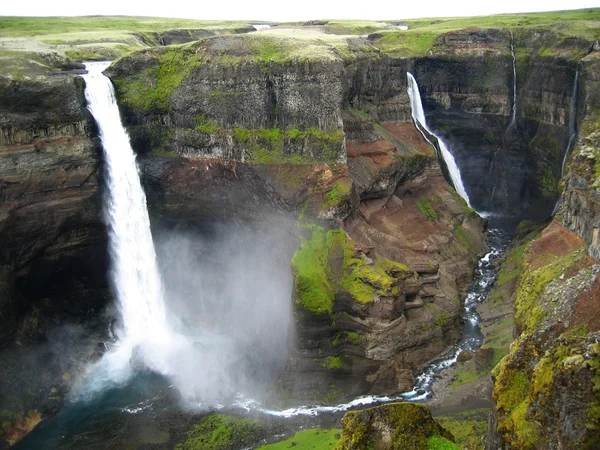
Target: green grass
[315, 439]
[221, 432]
[150, 89]
[582, 22]
[35, 26]
[468, 427]
[441, 443]
[423, 33]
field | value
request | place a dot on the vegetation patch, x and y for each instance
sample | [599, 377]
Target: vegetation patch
[328, 262]
[333, 363]
[315, 439]
[337, 194]
[276, 146]
[528, 310]
[468, 427]
[150, 90]
[310, 266]
[409, 424]
[426, 208]
[221, 432]
[406, 43]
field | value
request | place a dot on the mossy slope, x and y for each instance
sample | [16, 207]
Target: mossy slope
[546, 381]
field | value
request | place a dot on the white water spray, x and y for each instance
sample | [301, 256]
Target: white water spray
[513, 118]
[135, 276]
[418, 115]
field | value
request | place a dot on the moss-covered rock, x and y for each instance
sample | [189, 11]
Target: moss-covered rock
[395, 426]
[544, 389]
[328, 263]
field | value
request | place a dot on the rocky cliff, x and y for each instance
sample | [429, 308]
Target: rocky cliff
[240, 128]
[390, 280]
[50, 214]
[546, 389]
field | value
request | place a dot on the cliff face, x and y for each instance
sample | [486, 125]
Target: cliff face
[50, 213]
[546, 389]
[512, 166]
[203, 99]
[391, 293]
[320, 131]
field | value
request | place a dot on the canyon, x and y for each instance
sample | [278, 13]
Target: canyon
[307, 138]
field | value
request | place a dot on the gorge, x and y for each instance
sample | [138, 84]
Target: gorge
[312, 246]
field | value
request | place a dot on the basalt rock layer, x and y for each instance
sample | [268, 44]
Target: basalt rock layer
[546, 388]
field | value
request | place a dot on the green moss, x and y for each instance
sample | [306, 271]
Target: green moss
[463, 204]
[315, 439]
[354, 338]
[328, 262]
[206, 125]
[441, 443]
[151, 89]
[333, 363]
[528, 309]
[337, 194]
[462, 236]
[512, 265]
[426, 208]
[272, 145]
[220, 432]
[411, 426]
[310, 266]
[548, 182]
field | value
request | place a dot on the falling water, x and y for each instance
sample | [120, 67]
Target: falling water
[572, 132]
[135, 276]
[572, 124]
[418, 115]
[513, 118]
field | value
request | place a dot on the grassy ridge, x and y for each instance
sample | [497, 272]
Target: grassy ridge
[36, 26]
[580, 22]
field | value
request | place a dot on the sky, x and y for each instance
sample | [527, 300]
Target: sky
[281, 10]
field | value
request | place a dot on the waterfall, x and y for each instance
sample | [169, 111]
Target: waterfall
[572, 133]
[572, 124]
[418, 115]
[134, 270]
[513, 118]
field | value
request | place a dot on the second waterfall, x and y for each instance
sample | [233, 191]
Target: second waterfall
[418, 115]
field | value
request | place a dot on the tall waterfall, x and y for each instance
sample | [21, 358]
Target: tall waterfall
[572, 124]
[418, 115]
[135, 275]
[513, 118]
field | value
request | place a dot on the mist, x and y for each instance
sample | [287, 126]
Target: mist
[227, 290]
[228, 293]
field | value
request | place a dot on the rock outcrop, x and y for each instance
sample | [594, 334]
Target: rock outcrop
[393, 426]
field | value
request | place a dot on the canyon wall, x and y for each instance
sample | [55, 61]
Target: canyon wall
[241, 128]
[546, 389]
